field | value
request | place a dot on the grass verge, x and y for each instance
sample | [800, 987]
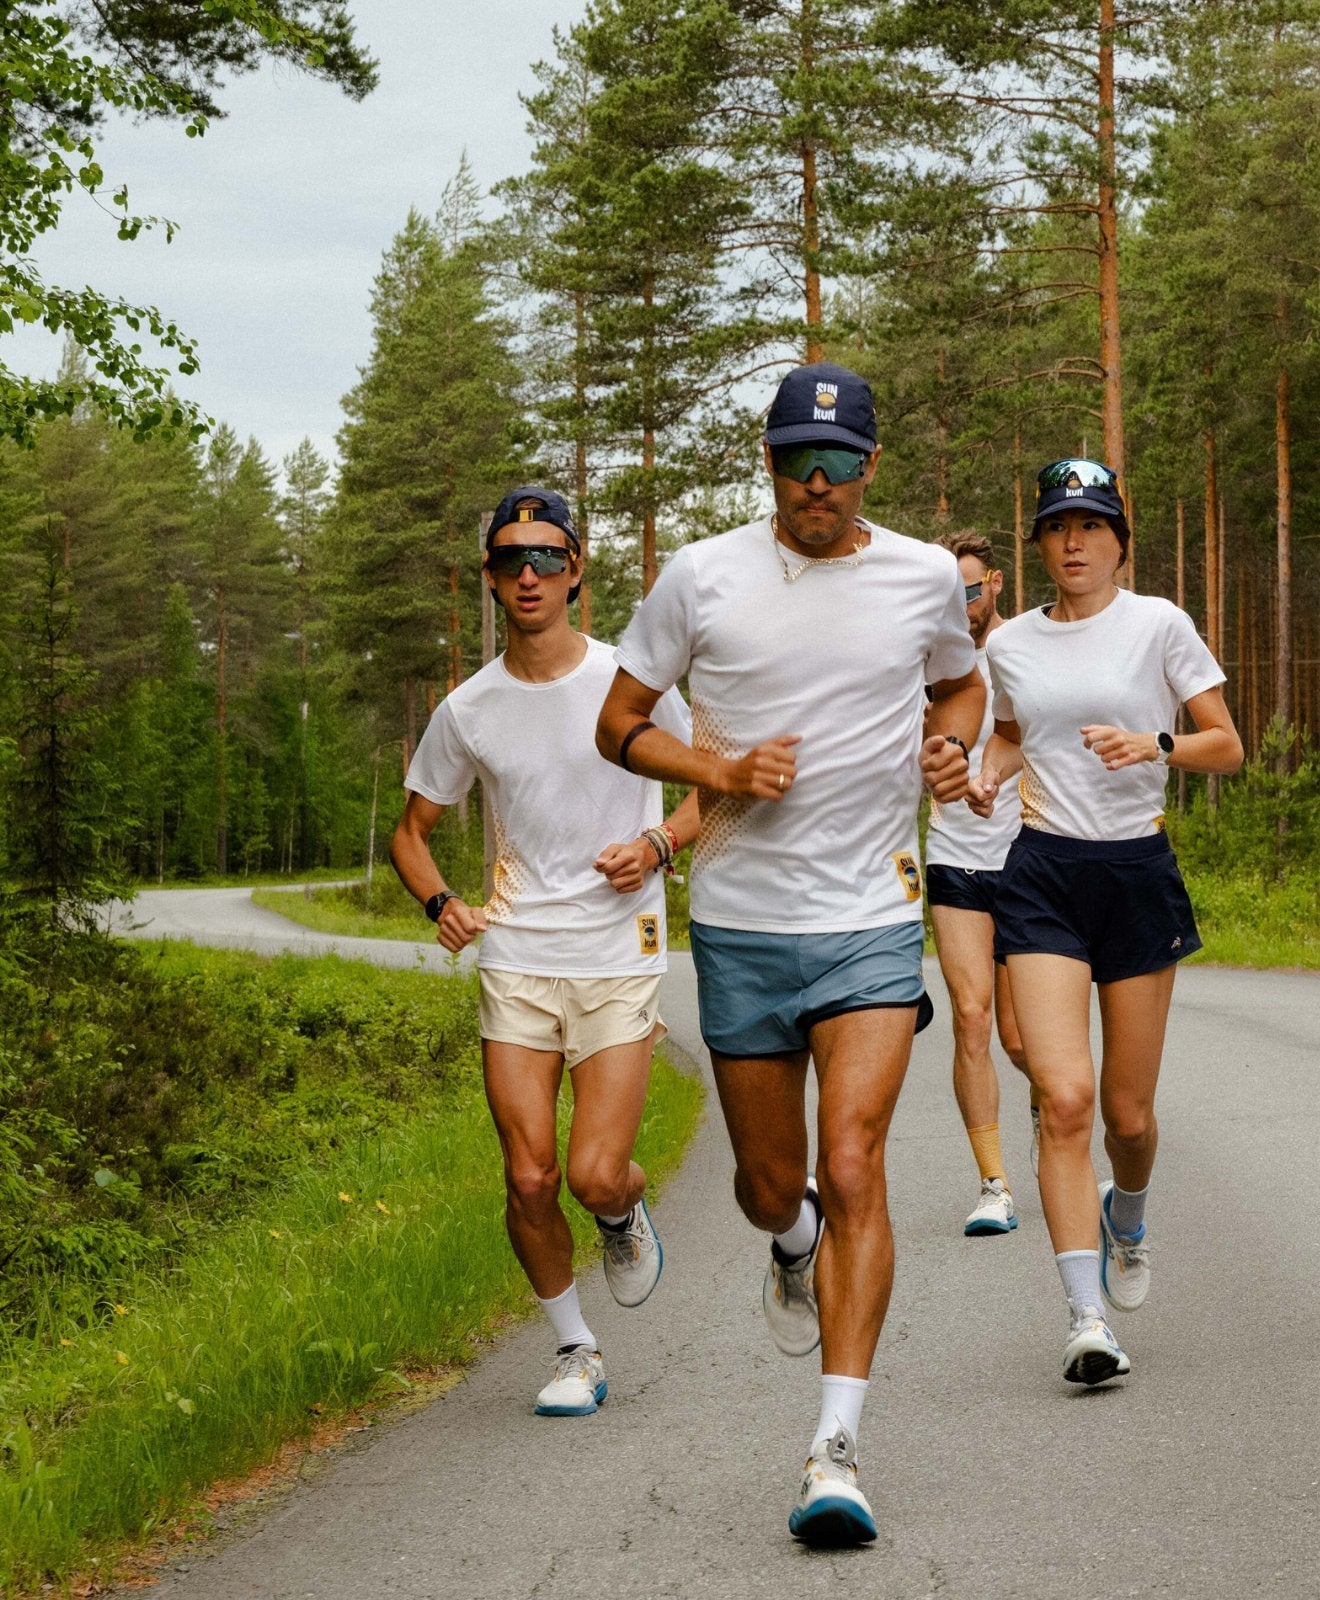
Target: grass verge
[384, 1253]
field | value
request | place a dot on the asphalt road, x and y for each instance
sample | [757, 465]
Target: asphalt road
[990, 1477]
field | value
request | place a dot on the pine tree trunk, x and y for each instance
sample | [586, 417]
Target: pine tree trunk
[1019, 529]
[1283, 697]
[1211, 580]
[580, 452]
[409, 723]
[942, 451]
[811, 204]
[1110, 350]
[1180, 596]
[221, 724]
[650, 568]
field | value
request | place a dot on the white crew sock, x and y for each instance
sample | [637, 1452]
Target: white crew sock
[1127, 1211]
[615, 1222]
[800, 1238]
[840, 1407]
[566, 1319]
[1080, 1271]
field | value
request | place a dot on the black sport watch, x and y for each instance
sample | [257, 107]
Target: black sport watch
[1164, 749]
[435, 906]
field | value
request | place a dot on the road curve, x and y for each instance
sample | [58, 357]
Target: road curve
[991, 1478]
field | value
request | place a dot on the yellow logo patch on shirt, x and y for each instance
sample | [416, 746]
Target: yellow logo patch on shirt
[909, 875]
[1159, 823]
[648, 933]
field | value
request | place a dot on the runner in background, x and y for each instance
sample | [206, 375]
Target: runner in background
[964, 854]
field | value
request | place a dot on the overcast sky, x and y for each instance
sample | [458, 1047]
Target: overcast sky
[286, 205]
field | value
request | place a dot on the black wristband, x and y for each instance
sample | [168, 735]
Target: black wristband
[628, 738]
[435, 906]
[952, 738]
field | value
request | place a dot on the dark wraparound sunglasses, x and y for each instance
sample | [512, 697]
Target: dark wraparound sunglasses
[972, 592]
[508, 560]
[799, 461]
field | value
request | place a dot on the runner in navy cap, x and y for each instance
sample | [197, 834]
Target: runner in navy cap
[808, 638]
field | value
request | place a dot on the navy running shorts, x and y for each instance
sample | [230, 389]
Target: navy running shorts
[1120, 905]
[963, 888]
[760, 994]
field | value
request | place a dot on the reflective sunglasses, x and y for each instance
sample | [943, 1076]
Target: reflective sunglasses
[508, 560]
[799, 461]
[1075, 472]
[972, 592]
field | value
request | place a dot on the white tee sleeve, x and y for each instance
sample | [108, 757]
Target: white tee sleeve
[952, 653]
[1189, 667]
[442, 769]
[656, 647]
[1000, 703]
[672, 714]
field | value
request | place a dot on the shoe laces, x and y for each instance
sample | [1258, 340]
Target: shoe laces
[625, 1245]
[576, 1362]
[840, 1458]
[1131, 1252]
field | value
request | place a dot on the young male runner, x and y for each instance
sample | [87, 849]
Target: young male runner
[808, 638]
[574, 933]
[964, 855]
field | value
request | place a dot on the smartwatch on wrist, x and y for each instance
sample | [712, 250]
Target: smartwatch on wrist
[1163, 749]
[435, 906]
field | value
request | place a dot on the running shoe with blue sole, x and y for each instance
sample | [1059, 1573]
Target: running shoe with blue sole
[634, 1259]
[831, 1509]
[578, 1385]
[1124, 1260]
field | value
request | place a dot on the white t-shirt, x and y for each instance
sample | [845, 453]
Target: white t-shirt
[957, 837]
[557, 804]
[1130, 666]
[840, 656]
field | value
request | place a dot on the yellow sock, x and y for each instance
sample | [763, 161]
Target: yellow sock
[985, 1147]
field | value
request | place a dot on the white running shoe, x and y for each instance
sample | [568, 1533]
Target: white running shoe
[577, 1387]
[633, 1257]
[994, 1211]
[831, 1509]
[789, 1293]
[1124, 1261]
[1092, 1354]
[1035, 1140]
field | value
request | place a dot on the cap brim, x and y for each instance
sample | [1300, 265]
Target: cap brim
[1081, 502]
[818, 433]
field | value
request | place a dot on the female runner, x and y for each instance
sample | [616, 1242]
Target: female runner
[1085, 695]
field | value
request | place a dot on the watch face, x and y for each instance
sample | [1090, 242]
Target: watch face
[1165, 742]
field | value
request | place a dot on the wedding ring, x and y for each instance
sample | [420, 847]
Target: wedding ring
[781, 781]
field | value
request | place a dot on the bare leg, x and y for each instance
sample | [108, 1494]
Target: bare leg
[609, 1096]
[861, 1059]
[965, 941]
[1052, 1003]
[522, 1088]
[764, 1104]
[1133, 1014]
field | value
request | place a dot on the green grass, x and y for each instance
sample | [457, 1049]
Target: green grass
[378, 1252]
[245, 880]
[391, 912]
[1245, 922]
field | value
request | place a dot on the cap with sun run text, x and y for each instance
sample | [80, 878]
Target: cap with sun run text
[822, 403]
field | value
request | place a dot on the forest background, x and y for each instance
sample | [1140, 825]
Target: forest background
[1038, 229]
[1045, 230]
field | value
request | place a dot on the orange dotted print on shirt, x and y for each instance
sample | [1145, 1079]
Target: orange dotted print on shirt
[511, 877]
[722, 815]
[1035, 801]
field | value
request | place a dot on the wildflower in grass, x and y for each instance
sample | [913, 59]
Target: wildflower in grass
[274, 1232]
[382, 1207]
[346, 1198]
[121, 1311]
[121, 1358]
[66, 1344]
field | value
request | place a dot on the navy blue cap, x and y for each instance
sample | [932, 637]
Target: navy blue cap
[1076, 484]
[822, 403]
[550, 507]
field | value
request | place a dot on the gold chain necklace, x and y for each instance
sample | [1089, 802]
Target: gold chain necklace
[854, 560]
